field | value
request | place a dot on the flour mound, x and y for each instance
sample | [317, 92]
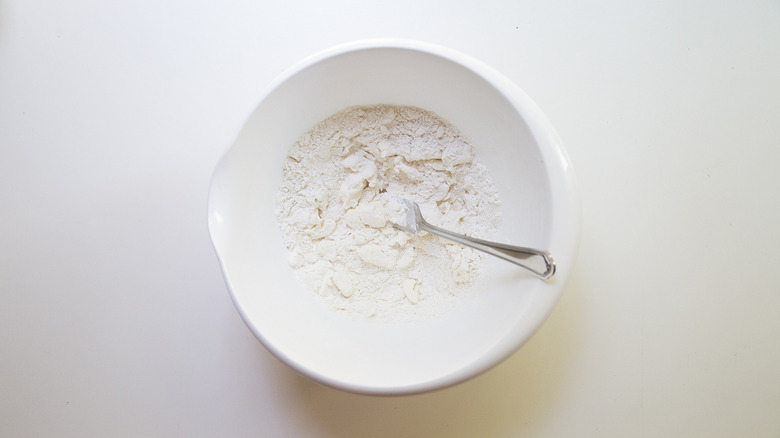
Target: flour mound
[339, 197]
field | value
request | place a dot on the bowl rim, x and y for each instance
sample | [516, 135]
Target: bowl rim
[539, 125]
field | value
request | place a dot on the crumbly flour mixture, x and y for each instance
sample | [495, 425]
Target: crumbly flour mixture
[338, 199]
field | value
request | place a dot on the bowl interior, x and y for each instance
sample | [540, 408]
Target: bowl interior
[507, 305]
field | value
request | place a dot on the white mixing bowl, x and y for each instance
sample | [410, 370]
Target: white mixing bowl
[510, 136]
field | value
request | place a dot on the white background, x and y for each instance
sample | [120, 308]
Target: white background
[114, 318]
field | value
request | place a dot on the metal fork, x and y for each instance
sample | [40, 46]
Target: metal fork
[538, 262]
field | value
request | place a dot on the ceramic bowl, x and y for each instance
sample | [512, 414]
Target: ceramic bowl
[507, 305]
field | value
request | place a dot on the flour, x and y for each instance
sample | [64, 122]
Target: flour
[338, 200]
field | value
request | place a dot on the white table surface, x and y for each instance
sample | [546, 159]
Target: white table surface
[114, 318]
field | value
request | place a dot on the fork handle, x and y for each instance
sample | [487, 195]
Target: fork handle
[537, 261]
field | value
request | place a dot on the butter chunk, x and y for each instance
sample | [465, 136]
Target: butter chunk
[383, 257]
[344, 283]
[369, 214]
